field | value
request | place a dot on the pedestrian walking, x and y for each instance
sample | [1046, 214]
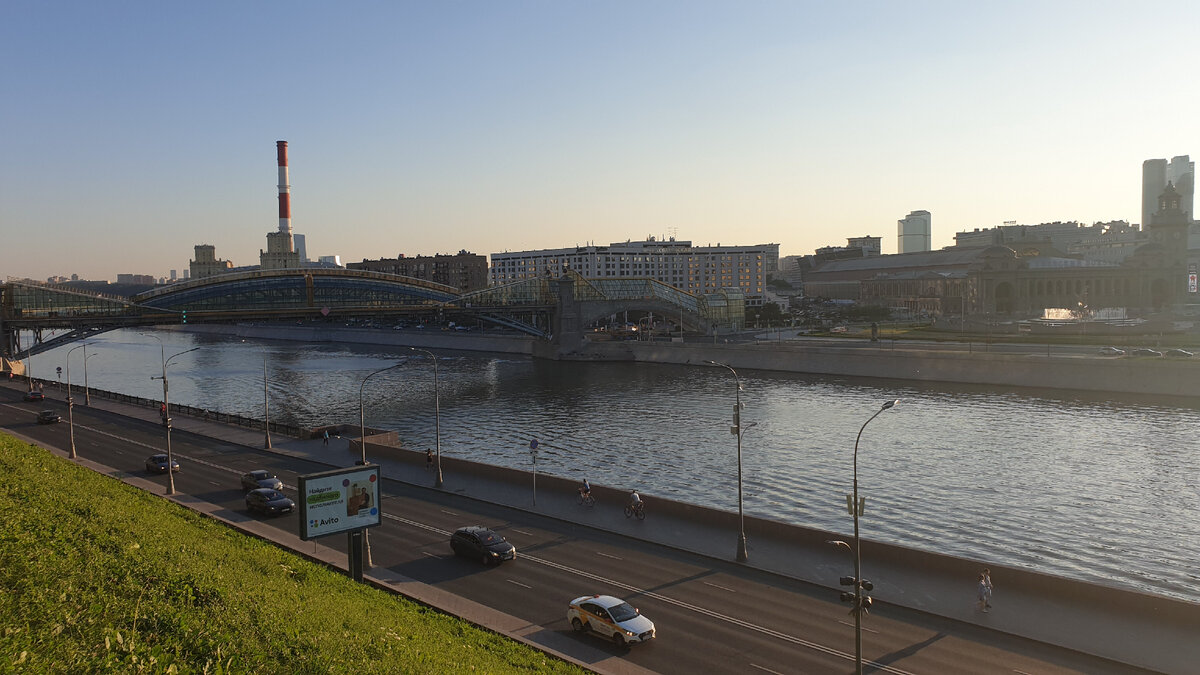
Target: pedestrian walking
[428, 458]
[987, 585]
[981, 594]
[326, 437]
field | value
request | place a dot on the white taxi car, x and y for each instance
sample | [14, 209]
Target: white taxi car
[611, 618]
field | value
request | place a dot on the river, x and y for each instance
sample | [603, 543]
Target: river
[1096, 487]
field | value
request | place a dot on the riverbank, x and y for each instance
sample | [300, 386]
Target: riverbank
[1075, 372]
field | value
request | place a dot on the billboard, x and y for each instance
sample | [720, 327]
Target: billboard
[339, 501]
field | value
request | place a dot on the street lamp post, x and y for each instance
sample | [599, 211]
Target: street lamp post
[362, 440]
[742, 553]
[856, 509]
[437, 414]
[87, 393]
[167, 408]
[266, 410]
[70, 400]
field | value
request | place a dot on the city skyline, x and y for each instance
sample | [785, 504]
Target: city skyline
[139, 131]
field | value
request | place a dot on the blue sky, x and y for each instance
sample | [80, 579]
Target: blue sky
[136, 130]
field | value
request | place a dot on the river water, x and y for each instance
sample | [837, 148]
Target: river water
[1096, 487]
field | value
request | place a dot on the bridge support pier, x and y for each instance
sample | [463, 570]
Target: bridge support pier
[567, 326]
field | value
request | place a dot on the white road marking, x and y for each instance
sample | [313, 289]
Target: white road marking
[449, 513]
[846, 623]
[430, 554]
[527, 534]
[518, 583]
[765, 669]
[722, 588]
[213, 482]
[609, 556]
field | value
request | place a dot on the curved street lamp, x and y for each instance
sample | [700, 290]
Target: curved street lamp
[70, 400]
[437, 414]
[167, 407]
[362, 425]
[856, 509]
[742, 553]
[87, 393]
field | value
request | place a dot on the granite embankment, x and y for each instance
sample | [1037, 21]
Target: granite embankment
[895, 361]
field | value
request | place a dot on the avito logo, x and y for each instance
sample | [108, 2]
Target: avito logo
[313, 523]
[329, 521]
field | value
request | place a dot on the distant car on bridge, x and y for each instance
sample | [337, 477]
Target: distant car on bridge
[1146, 352]
[48, 417]
[34, 396]
[1111, 351]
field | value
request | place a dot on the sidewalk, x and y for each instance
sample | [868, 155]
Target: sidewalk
[1132, 628]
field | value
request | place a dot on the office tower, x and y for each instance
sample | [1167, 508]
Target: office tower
[1156, 173]
[914, 232]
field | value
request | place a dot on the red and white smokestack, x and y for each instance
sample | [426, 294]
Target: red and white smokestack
[285, 189]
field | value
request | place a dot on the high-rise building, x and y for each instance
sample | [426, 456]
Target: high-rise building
[696, 269]
[1156, 173]
[301, 250]
[915, 232]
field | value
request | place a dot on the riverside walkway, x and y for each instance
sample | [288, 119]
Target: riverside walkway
[1138, 629]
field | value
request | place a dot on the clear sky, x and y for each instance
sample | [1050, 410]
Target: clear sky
[134, 130]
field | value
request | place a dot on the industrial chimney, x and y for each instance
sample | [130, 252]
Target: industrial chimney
[285, 189]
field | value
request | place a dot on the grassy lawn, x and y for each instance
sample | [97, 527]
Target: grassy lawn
[97, 576]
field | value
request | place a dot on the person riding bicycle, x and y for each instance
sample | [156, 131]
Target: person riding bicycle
[586, 489]
[635, 501]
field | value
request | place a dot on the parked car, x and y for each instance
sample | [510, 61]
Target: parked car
[610, 617]
[48, 417]
[268, 502]
[1145, 352]
[1178, 354]
[34, 396]
[261, 479]
[1112, 351]
[158, 464]
[482, 544]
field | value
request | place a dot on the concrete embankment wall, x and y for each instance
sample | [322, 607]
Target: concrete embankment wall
[1163, 377]
[426, 339]
[1136, 376]
[901, 575]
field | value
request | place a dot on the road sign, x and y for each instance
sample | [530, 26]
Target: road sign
[533, 444]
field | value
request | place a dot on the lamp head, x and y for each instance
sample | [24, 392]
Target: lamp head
[890, 404]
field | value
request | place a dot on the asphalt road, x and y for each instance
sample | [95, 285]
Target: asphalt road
[711, 616]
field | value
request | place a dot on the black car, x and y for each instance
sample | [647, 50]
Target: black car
[482, 544]
[1146, 352]
[268, 502]
[34, 396]
[48, 417]
[158, 464]
[1178, 354]
[261, 479]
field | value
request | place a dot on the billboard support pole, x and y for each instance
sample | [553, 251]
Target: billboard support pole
[355, 549]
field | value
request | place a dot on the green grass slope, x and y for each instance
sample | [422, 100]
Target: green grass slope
[97, 576]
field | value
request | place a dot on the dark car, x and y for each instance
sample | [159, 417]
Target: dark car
[34, 396]
[1178, 354]
[48, 417]
[261, 479]
[482, 544]
[268, 502]
[158, 464]
[1145, 352]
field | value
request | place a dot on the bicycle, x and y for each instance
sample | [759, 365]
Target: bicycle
[586, 498]
[639, 511]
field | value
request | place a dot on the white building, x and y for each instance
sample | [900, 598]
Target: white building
[915, 232]
[695, 269]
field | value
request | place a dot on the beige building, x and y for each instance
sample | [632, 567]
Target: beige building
[207, 264]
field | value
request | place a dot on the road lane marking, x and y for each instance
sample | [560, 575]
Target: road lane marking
[844, 623]
[518, 583]
[527, 534]
[707, 583]
[430, 554]
[213, 482]
[609, 556]
[765, 669]
[449, 513]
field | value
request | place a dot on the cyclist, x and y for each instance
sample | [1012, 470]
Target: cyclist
[586, 489]
[635, 501]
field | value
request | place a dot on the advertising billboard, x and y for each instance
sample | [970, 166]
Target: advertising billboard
[339, 501]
